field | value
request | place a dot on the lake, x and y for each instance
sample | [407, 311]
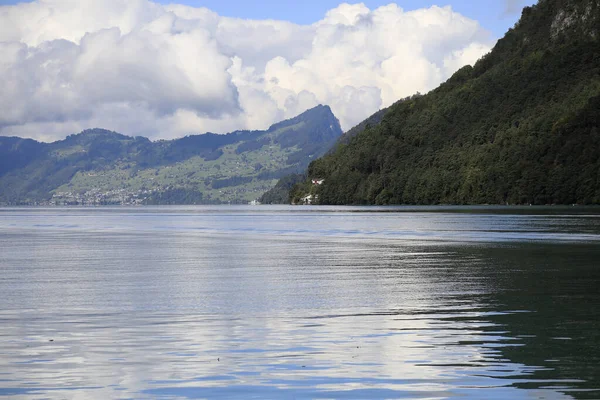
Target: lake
[300, 302]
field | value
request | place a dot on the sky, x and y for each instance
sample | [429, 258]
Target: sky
[168, 69]
[496, 16]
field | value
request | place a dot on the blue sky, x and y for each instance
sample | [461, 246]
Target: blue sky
[490, 13]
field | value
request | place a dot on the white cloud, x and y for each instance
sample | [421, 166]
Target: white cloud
[165, 71]
[465, 56]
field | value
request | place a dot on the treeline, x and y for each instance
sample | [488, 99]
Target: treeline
[175, 196]
[280, 194]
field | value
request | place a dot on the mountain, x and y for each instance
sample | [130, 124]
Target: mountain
[102, 167]
[521, 126]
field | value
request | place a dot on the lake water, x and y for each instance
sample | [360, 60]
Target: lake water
[300, 303]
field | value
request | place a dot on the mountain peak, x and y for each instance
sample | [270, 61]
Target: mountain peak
[89, 135]
[97, 132]
[320, 114]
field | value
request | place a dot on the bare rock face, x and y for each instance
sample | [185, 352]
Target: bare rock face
[577, 17]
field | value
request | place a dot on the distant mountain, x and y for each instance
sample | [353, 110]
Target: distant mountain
[522, 126]
[102, 167]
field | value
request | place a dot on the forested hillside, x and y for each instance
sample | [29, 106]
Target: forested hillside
[102, 167]
[521, 126]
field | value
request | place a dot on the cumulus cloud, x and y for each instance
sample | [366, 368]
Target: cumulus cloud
[142, 68]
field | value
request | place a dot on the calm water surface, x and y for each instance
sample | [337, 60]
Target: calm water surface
[300, 303]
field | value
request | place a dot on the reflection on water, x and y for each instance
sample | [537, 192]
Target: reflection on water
[209, 302]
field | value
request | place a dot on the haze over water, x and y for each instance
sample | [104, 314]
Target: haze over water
[300, 302]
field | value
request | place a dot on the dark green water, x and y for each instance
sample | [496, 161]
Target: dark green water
[261, 302]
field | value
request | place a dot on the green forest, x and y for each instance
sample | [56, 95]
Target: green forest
[521, 126]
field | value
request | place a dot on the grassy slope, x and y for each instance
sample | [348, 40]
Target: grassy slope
[194, 173]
